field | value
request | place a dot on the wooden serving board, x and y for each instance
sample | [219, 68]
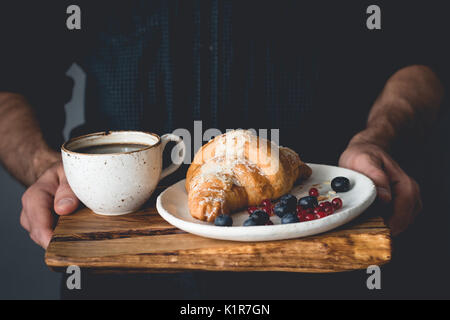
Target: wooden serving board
[144, 242]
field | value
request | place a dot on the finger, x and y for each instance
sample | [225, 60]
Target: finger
[66, 201]
[24, 221]
[37, 209]
[408, 202]
[373, 169]
[405, 206]
[42, 236]
[381, 181]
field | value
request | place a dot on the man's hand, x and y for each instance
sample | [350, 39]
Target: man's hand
[393, 184]
[405, 109]
[50, 192]
[26, 155]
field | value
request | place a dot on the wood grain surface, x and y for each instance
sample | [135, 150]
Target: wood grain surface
[144, 242]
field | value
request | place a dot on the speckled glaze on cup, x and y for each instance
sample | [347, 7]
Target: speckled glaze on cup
[117, 183]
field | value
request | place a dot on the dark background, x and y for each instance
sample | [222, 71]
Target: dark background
[419, 268]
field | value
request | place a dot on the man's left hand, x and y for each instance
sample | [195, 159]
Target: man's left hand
[393, 184]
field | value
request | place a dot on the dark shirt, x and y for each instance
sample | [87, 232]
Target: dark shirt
[310, 69]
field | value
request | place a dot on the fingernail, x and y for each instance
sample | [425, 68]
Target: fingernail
[65, 202]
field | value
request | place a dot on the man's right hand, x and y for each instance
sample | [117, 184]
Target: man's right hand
[49, 193]
[27, 156]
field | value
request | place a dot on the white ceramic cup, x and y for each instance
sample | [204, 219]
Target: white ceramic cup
[118, 183]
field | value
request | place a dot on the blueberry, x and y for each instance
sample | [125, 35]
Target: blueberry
[223, 220]
[261, 217]
[340, 184]
[289, 218]
[283, 207]
[250, 222]
[308, 202]
[290, 199]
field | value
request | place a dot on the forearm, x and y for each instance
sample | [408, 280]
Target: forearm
[407, 107]
[23, 150]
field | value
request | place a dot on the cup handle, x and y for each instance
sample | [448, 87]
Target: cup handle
[181, 154]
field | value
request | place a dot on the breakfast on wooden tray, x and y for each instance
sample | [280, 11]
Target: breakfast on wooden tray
[237, 179]
[238, 170]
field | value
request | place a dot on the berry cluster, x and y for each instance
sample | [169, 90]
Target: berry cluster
[260, 215]
[291, 210]
[309, 208]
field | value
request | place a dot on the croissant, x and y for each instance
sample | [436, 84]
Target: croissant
[239, 169]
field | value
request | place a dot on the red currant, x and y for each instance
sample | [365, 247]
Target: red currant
[269, 210]
[299, 209]
[301, 215]
[328, 210]
[337, 203]
[320, 214]
[317, 210]
[313, 192]
[309, 217]
[250, 210]
[266, 203]
[309, 211]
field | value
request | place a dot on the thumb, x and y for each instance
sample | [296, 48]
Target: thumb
[373, 169]
[382, 184]
[65, 200]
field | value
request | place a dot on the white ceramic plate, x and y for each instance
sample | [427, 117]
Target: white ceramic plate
[173, 207]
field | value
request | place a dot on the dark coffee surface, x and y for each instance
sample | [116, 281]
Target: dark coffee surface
[112, 148]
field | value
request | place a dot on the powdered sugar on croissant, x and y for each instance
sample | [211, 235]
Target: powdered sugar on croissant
[239, 169]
